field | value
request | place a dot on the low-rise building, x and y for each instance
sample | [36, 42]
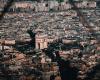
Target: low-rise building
[41, 41]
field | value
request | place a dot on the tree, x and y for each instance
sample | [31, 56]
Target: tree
[60, 1]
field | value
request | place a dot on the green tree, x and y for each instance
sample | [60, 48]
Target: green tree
[60, 1]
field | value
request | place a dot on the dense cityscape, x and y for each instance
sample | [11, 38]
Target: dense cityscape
[49, 40]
